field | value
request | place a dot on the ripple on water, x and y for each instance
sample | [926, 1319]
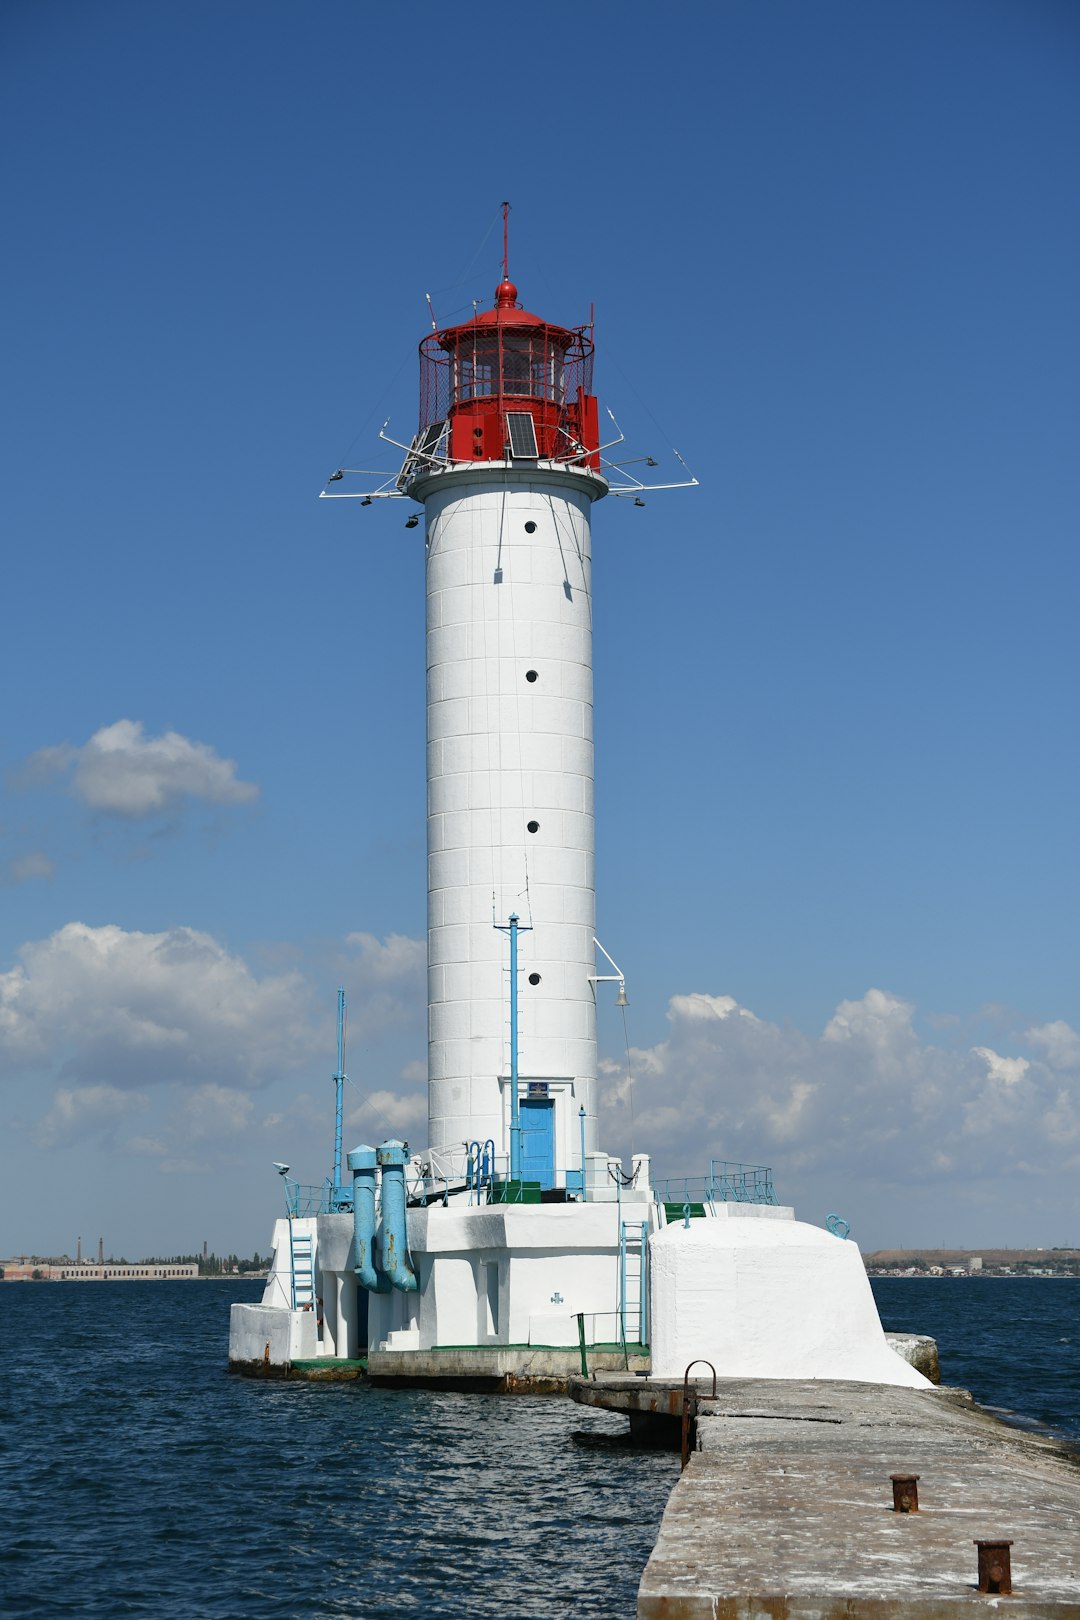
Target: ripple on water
[144, 1481]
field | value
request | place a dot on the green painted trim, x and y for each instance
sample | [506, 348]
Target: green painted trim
[326, 1362]
[496, 1349]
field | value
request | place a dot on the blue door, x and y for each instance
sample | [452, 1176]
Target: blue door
[538, 1140]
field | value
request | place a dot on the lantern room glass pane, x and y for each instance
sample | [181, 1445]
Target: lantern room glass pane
[508, 362]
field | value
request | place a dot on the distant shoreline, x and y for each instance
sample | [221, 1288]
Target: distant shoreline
[967, 1276]
[24, 1276]
[1059, 1261]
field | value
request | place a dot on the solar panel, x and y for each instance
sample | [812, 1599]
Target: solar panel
[422, 453]
[522, 431]
[430, 438]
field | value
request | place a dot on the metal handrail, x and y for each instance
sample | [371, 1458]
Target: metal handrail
[476, 1167]
[301, 1200]
[726, 1183]
[741, 1183]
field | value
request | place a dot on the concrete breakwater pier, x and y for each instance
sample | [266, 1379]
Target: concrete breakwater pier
[786, 1507]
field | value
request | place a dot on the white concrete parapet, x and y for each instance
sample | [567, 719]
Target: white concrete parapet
[762, 1295]
[270, 1336]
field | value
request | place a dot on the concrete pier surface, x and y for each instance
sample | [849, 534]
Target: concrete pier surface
[786, 1508]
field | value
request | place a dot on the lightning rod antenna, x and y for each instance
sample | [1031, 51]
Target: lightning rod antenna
[506, 241]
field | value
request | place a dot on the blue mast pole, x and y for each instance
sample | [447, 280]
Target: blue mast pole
[515, 1113]
[513, 930]
[339, 1082]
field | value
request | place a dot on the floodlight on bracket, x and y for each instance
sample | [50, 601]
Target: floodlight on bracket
[635, 487]
[618, 977]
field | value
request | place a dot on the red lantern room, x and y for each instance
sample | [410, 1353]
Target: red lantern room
[510, 387]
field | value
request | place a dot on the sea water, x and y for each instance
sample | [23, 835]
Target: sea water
[1014, 1342]
[137, 1477]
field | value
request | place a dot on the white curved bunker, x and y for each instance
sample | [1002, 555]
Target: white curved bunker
[762, 1295]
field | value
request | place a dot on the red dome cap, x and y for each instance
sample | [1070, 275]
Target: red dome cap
[505, 295]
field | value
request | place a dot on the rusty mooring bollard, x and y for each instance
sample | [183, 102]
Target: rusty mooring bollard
[995, 1567]
[905, 1493]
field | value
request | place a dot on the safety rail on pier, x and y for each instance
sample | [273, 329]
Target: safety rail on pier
[303, 1200]
[726, 1183]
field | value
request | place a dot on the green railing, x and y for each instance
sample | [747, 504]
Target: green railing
[726, 1183]
[740, 1183]
[301, 1200]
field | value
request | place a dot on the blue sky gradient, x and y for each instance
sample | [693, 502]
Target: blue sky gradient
[834, 256]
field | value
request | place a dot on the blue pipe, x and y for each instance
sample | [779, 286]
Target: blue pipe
[395, 1244]
[361, 1162]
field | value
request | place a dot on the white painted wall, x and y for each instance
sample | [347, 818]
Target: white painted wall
[550, 1261]
[766, 1298]
[503, 751]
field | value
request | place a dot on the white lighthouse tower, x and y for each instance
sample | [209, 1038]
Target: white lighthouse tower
[515, 1222]
[508, 481]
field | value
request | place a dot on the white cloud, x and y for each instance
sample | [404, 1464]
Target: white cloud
[106, 1007]
[387, 982]
[392, 1113]
[697, 1005]
[867, 1101]
[123, 772]
[388, 961]
[173, 1028]
[81, 1112]
[1006, 1071]
[1059, 1043]
[879, 1021]
[211, 1112]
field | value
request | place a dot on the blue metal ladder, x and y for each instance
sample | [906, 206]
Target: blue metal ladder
[303, 1278]
[633, 1289]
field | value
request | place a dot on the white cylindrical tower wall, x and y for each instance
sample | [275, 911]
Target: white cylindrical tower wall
[510, 742]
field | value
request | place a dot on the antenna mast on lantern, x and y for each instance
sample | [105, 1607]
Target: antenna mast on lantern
[506, 241]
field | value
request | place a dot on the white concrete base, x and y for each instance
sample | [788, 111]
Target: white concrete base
[510, 1274]
[766, 1298]
[269, 1336]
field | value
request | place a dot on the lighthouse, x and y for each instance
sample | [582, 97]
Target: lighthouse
[513, 1225]
[511, 1246]
[510, 1226]
[506, 466]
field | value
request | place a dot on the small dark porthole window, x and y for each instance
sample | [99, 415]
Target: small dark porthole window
[534, 978]
[533, 826]
[531, 675]
[530, 527]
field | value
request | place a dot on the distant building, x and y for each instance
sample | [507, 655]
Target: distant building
[149, 1271]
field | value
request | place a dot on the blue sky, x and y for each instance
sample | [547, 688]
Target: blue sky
[834, 252]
